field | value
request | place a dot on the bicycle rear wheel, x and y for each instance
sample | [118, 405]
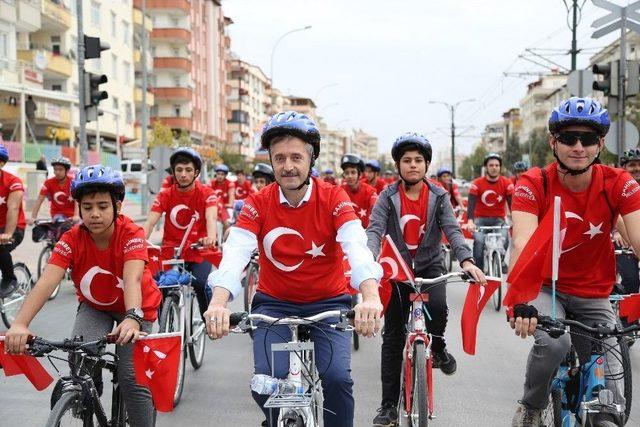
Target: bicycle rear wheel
[197, 342]
[419, 402]
[68, 411]
[11, 305]
[496, 271]
[43, 260]
[170, 322]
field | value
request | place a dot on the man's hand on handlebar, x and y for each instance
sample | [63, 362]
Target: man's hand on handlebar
[6, 239]
[207, 242]
[524, 319]
[476, 274]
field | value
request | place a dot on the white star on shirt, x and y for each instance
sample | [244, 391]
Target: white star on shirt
[3, 200]
[315, 251]
[594, 230]
[362, 213]
[149, 373]
[499, 199]
[154, 258]
[422, 230]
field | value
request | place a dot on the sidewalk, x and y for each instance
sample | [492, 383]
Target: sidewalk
[131, 207]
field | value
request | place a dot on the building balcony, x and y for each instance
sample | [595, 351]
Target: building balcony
[171, 6]
[52, 65]
[173, 35]
[28, 16]
[173, 64]
[137, 19]
[50, 113]
[55, 16]
[175, 122]
[137, 60]
[173, 93]
[137, 97]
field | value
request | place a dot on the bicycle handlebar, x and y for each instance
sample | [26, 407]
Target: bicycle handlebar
[624, 252]
[557, 327]
[493, 227]
[236, 318]
[49, 221]
[461, 274]
[39, 346]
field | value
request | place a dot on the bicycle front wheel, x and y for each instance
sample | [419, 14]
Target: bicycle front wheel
[250, 285]
[43, 260]
[198, 332]
[11, 305]
[552, 414]
[170, 322]
[69, 411]
[627, 375]
[419, 402]
[496, 271]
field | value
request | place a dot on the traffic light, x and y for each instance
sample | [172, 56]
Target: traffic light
[633, 78]
[93, 47]
[609, 82]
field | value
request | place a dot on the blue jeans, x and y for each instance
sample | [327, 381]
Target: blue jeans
[332, 354]
[200, 273]
[479, 236]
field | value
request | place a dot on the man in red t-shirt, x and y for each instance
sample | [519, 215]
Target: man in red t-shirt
[361, 194]
[592, 197]
[328, 177]
[58, 190]
[223, 188]
[185, 199]
[12, 223]
[107, 256]
[445, 178]
[243, 186]
[302, 226]
[488, 199]
[372, 175]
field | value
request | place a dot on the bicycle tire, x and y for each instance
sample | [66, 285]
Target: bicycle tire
[169, 321]
[496, 271]
[43, 260]
[64, 406]
[196, 347]
[356, 337]
[420, 391]
[627, 375]
[250, 283]
[25, 284]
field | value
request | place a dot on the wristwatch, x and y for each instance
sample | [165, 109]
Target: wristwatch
[136, 314]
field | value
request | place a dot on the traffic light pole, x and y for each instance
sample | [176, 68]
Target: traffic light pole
[144, 192]
[82, 132]
[622, 85]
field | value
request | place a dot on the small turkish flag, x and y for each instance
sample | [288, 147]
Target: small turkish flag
[477, 297]
[630, 307]
[155, 259]
[156, 358]
[393, 268]
[24, 364]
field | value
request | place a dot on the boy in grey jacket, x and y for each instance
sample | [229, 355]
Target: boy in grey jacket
[415, 213]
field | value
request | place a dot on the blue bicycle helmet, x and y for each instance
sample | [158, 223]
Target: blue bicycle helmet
[411, 141]
[98, 176]
[373, 164]
[291, 123]
[188, 152]
[352, 160]
[442, 170]
[520, 166]
[4, 153]
[222, 168]
[580, 111]
[314, 173]
[328, 172]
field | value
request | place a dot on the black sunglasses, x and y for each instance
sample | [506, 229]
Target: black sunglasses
[571, 138]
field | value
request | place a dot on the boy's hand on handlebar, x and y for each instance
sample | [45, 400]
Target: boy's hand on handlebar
[207, 242]
[524, 319]
[476, 274]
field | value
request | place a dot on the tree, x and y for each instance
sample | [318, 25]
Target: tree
[513, 152]
[183, 138]
[538, 146]
[161, 135]
[472, 165]
[234, 161]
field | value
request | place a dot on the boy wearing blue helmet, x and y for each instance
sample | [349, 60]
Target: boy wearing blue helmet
[593, 196]
[107, 255]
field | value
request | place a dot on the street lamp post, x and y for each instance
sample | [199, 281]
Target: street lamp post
[452, 111]
[273, 51]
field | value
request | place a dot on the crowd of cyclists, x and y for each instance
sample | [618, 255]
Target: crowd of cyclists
[303, 225]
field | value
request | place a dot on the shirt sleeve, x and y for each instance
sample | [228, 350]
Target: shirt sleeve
[135, 245]
[237, 252]
[526, 196]
[15, 185]
[63, 251]
[44, 190]
[353, 241]
[341, 208]
[211, 200]
[159, 202]
[510, 187]
[473, 188]
[627, 192]
[250, 217]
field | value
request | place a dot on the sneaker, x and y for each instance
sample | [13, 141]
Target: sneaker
[387, 416]
[444, 361]
[7, 287]
[526, 417]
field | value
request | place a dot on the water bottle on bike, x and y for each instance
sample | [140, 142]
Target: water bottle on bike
[268, 385]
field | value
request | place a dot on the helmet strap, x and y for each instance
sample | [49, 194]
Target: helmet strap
[574, 172]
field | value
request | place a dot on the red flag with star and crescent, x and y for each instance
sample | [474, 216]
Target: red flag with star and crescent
[29, 366]
[477, 297]
[394, 268]
[156, 359]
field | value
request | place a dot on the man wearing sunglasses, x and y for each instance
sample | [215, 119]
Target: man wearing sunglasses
[593, 195]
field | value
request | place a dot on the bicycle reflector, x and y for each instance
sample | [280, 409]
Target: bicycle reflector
[605, 397]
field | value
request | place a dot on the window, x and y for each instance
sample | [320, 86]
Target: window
[114, 66]
[127, 73]
[136, 167]
[176, 110]
[128, 112]
[95, 14]
[56, 88]
[55, 45]
[113, 24]
[4, 45]
[176, 81]
[115, 103]
[125, 33]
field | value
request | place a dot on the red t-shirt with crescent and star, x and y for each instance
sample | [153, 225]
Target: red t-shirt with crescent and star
[587, 263]
[59, 195]
[178, 207]
[221, 189]
[492, 196]
[413, 217]
[97, 273]
[300, 260]
[379, 184]
[364, 199]
[242, 191]
[8, 184]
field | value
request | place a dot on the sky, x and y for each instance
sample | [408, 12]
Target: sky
[376, 64]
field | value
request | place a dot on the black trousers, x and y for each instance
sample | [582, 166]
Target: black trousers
[394, 333]
[6, 262]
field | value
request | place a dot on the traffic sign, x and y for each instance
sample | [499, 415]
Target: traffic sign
[579, 82]
[631, 137]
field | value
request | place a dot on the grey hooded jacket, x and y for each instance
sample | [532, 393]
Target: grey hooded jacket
[385, 219]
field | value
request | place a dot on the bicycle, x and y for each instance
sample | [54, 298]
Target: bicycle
[578, 390]
[415, 406]
[494, 254]
[250, 280]
[447, 263]
[75, 399]
[53, 229]
[180, 312]
[10, 306]
[305, 406]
